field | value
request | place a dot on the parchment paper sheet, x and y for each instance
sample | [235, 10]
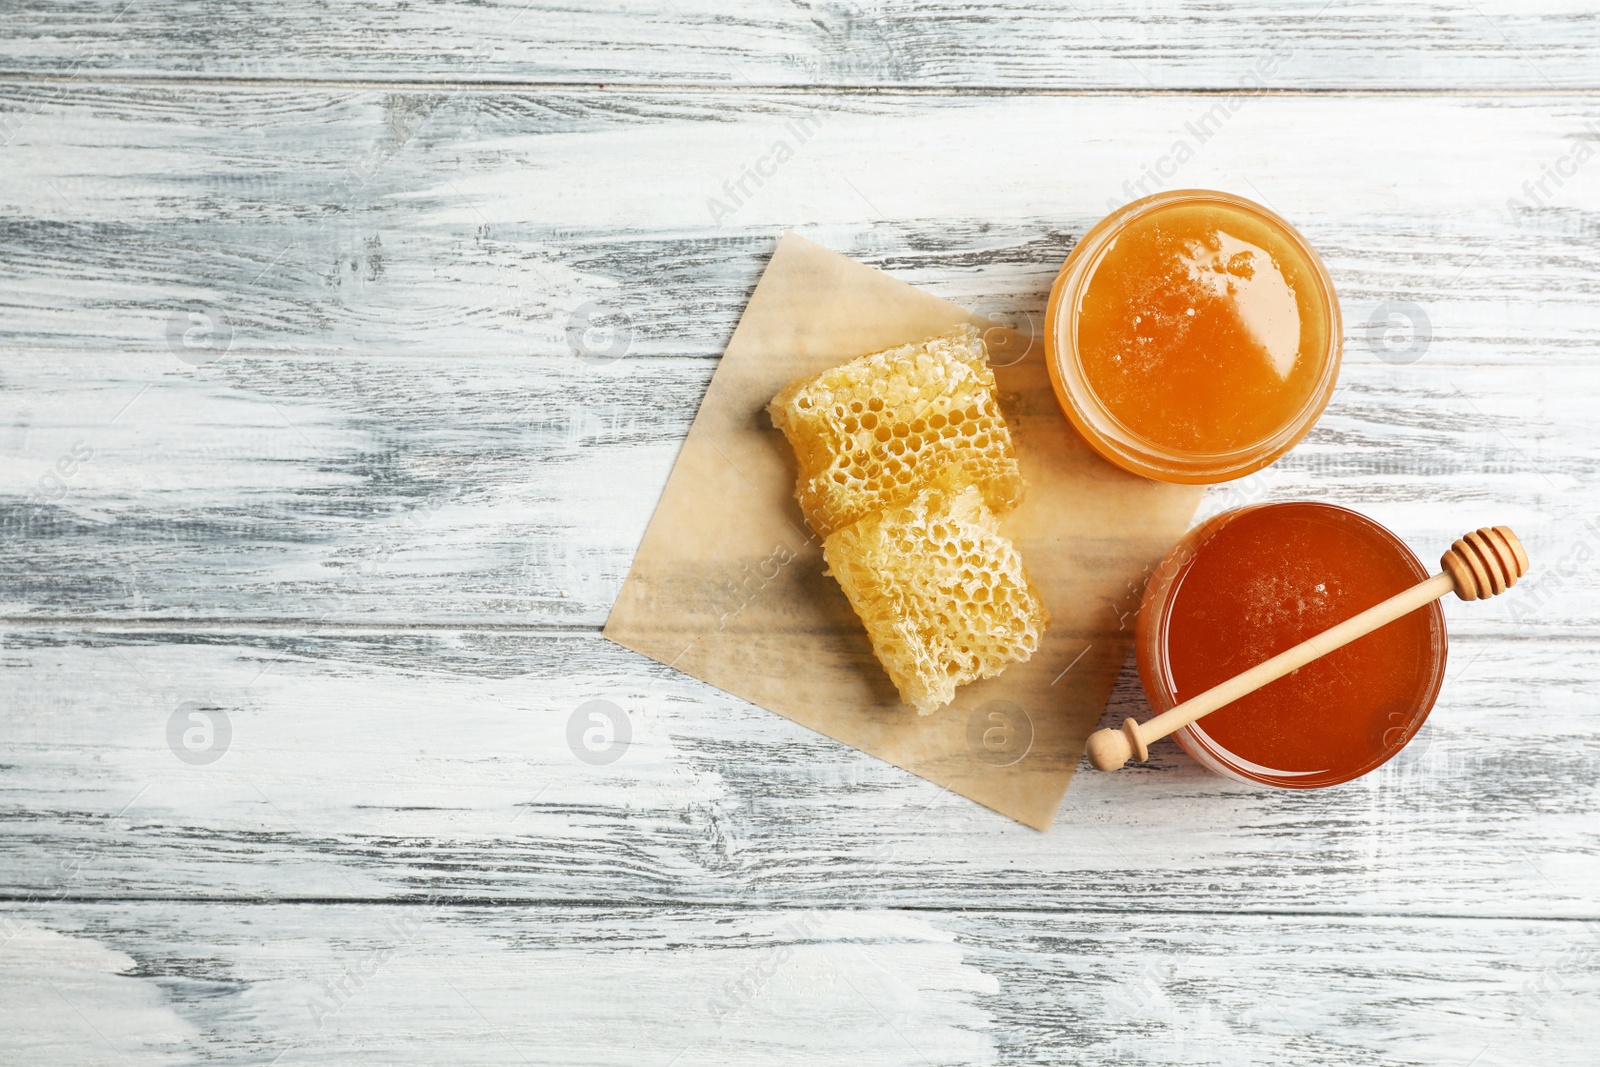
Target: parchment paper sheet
[728, 584]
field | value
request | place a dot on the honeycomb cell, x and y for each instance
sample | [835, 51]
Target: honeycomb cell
[934, 401]
[941, 591]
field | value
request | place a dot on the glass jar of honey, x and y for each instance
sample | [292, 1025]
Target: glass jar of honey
[1193, 337]
[1250, 583]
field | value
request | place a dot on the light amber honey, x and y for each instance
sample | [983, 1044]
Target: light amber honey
[1195, 337]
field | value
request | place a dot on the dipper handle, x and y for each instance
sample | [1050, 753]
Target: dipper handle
[1480, 565]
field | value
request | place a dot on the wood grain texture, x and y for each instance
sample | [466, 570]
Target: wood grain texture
[343, 353]
[499, 491]
[168, 982]
[401, 765]
[347, 221]
[480, 235]
[1536, 44]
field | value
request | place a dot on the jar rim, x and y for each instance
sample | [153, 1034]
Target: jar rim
[1158, 684]
[1095, 422]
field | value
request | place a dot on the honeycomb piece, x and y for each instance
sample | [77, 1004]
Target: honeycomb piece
[941, 591]
[874, 431]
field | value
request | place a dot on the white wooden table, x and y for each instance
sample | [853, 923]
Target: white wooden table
[347, 347]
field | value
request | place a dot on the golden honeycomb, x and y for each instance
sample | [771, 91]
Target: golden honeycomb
[874, 431]
[941, 591]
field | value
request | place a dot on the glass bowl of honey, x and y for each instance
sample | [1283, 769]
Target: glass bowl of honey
[1252, 582]
[1193, 336]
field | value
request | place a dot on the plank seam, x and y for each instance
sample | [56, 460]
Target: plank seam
[512, 85]
[115, 624]
[696, 358]
[438, 901]
[245, 625]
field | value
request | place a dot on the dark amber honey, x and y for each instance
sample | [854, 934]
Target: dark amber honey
[1249, 584]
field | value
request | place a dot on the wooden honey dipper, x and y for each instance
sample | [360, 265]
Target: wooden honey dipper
[1482, 564]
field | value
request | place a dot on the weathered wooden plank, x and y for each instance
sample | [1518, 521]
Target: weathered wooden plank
[514, 492]
[1016, 43]
[167, 982]
[394, 765]
[301, 484]
[323, 220]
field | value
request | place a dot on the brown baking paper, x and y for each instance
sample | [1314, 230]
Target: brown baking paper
[728, 585]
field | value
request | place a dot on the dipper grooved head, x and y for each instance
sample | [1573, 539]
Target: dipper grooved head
[1485, 562]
